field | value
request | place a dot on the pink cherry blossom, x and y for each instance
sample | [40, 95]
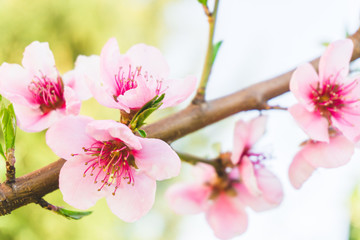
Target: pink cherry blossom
[105, 159]
[129, 81]
[315, 154]
[225, 212]
[329, 98]
[225, 197]
[39, 94]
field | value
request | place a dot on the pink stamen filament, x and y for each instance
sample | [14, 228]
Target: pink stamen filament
[330, 99]
[114, 159]
[47, 93]
[127, 81]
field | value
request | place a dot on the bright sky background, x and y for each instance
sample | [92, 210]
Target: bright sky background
[262, 39]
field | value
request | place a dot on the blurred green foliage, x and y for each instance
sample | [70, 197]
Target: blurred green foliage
[73, 28]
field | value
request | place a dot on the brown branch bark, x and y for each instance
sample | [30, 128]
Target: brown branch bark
[33, 186]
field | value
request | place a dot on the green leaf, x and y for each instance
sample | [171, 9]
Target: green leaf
[142, 133]
[203, 2]
[2, 152]
[144, 112]
[325, 44]
[72, 214]
[216, 48]
[8, 125]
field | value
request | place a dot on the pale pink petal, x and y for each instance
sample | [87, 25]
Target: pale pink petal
[177, 90]
[203, 173]
[39, 60]
[88, 69]
[227, 217]
[68, 136]
[79, 191]
[112, 63]
[313, 124]
[76, 81]
[99, 129]
[270, 186]
[335, 60]
[300, 170]
[302, 82]
[246, 134]
[248, 178]
[349, 124]
[14, 82]
[131, 202]
[73, 103]
[33, 119]
[271, 191]
[157, 159]
[336, 153]
[122, 132]
[137, 97]
[188, 198]
[150, 59]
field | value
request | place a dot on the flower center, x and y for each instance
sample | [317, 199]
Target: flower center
[128, 79]
[112, 157]
[48, 94]
[329, 98]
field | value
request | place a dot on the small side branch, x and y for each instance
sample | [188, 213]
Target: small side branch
[209, 59]
[10, 166]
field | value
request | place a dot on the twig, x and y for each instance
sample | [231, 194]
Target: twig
[200, 94]
[10, 166]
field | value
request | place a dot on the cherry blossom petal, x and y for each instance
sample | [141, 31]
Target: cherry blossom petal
[178, 90]
[88, 69]
[336, 153]
[110, 63]
[348, 124]
[39, 60]
[16, 89]
[302, 82]
[79, 191]
[76, 81]
[227, 217]
[246, 134]
[335, 60]
[137, 97]
[33, 120]
[157, 159]
[100, 129]
[202, 172]
[73, 103]
[248, 177]
[270, 186]
[122, 132]
[188, 198]
[131, 202]
[150, 59]
[271, 191]
[300, 170]
[313, 124]
[72, 131]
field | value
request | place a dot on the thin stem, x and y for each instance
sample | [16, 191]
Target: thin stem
[275, 107]
[200, 94]
[10, 168]
[194, 160]
[44, 204]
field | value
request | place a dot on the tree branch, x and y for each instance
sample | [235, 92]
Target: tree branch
[33, 186]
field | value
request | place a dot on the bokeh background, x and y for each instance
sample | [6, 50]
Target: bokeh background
[262, 38]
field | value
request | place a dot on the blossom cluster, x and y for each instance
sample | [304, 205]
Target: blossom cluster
[224, 196]
[104, 157]
[107, 159]
[328, 111]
